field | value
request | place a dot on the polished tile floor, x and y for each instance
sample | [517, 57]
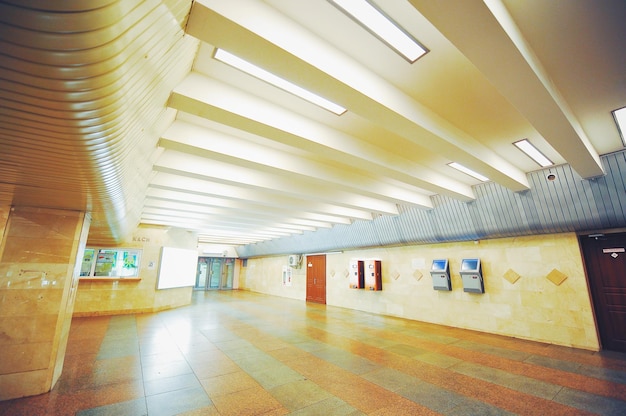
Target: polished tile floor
[241, 353]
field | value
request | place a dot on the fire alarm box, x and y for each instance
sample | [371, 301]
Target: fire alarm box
[373, 276]
[472, 276]
[357, 278]
[440, 272]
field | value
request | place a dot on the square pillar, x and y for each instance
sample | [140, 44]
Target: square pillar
[39, 271]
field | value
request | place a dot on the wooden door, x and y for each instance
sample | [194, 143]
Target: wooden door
[316, 279]
[605, 260]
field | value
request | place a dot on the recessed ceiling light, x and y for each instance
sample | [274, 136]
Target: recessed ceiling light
[381, 26]
[260, 73]
[534, 153]
[620, 119]
[468, 171]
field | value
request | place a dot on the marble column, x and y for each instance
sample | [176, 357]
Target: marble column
[39, 271]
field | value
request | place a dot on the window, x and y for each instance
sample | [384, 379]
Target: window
[105, 262]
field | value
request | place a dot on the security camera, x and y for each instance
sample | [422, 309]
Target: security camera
[551, 177]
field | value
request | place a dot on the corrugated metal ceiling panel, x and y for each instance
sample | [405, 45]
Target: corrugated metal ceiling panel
[568, 203]
[81, 82]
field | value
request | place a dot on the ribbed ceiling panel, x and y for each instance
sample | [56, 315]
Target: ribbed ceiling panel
[80, 82]
[568, 203]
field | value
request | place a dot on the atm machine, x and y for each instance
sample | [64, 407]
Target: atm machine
[373, 276]
[472, 276]
[357, 280]
[440, 272]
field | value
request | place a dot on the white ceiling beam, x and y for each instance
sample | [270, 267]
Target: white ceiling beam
[214, 219]
[213, 100]
[255, 214]
[256, 32]
[214, 145]
[264, 232]
[195, 166]
[486, 34]
[318, 210]
[155, 197]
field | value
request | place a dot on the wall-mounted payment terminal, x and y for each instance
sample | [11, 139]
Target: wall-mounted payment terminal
[373, 276]
[440, 272]
[357, 278]
[472, 276]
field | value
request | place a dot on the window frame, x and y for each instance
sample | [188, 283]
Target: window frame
[111, 267]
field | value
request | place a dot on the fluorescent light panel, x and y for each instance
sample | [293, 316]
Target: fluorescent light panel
[260, 73]
[534, 153]
[375, 21]
[468, 171]
[620, 119]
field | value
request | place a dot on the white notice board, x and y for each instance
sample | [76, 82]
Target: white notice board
[177, 268]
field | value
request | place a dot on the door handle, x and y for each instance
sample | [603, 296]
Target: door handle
[314, 281]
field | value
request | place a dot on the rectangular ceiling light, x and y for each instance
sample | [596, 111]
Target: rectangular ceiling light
[381, 26]
[534, 153]
[260, 73]
[620, 119]
[468, 171]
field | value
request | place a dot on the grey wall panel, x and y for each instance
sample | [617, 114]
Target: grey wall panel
[453, 219]
[414, 226]
[609, 190]
[387, 230]
[568, 203]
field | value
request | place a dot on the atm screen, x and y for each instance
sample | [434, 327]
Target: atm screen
[439, 265]
[468, 265]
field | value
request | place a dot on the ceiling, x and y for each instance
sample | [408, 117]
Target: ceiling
[119, 108]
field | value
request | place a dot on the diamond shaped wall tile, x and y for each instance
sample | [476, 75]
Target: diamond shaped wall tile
[417, 275]
[511, 276]
[556, 277]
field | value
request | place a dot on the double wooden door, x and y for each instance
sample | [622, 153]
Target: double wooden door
[316, 278]
[605, 260]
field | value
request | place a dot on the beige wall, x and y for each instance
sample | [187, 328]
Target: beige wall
[127, 296]
[531, 308]
[38, 282]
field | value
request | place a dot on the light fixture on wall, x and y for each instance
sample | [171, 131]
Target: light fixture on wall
[531, 151]
[619, 116]
[468, 171]
[260, 73]
[382, 26]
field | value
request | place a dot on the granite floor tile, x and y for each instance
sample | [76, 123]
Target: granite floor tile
[135, 407]
[404, 407]
[432, 397]
[406, 350]
[439, 360]
[298, 394]
[596, 404]
[513, 381]
[201, 411]
[165, 370]
[330, 406]
[254, 401]
[207, 369]
[168, 384]
[228, 383]
[477, 408]
[392, 380]
[178, 401]
[274, 376]
[238, 353]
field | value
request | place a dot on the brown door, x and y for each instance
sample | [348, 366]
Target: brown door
[605, 260]
[316, 279]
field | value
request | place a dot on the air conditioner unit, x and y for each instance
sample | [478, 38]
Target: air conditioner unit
[295, 260]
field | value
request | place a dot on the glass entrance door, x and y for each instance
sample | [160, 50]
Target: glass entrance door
[215, 273]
